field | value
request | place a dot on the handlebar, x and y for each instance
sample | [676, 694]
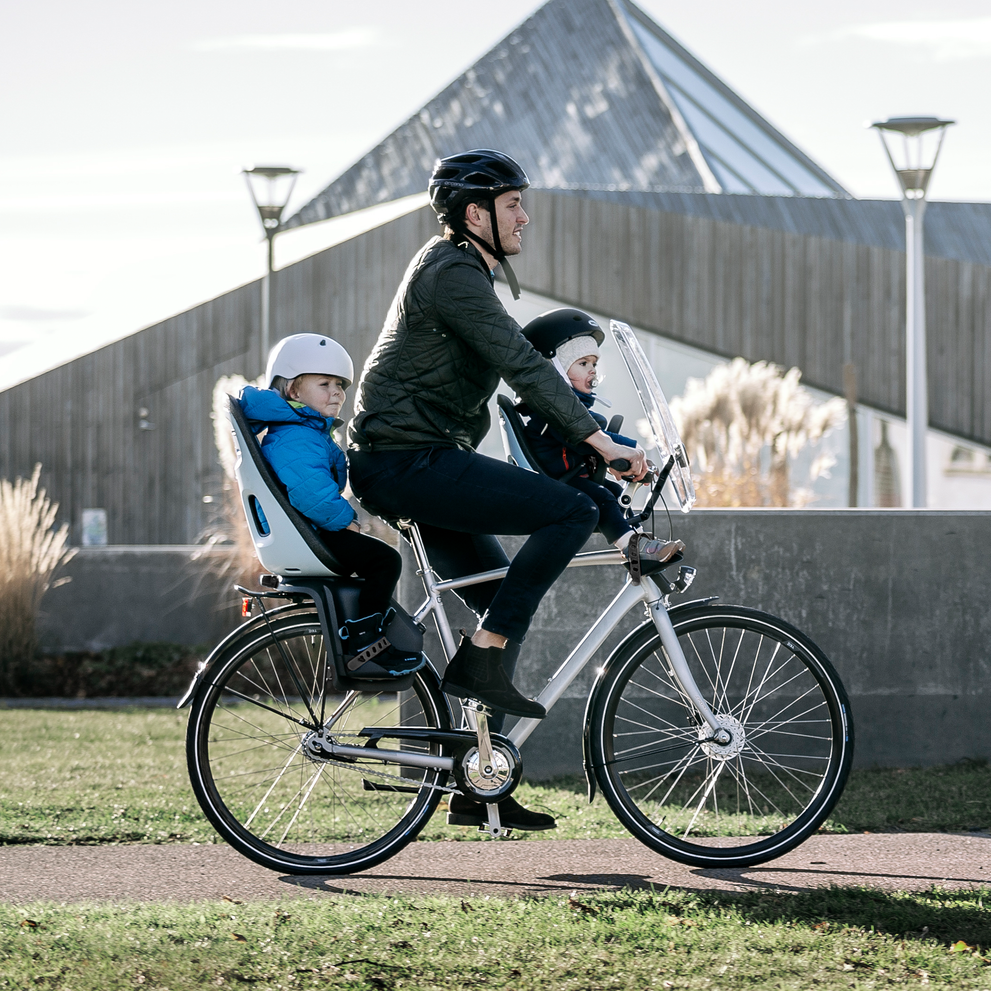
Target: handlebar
[622, 464]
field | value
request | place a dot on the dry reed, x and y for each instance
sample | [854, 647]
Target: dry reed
[229, 528]
[31, 552]
[744, 425]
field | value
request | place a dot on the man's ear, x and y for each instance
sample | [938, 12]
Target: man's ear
[474, 214]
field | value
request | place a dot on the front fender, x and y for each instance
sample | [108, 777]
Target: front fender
[606, 668]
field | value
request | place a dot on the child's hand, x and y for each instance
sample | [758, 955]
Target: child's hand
[354, 525]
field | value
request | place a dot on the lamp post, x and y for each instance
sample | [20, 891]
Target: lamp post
[912, 145]
[270, 187]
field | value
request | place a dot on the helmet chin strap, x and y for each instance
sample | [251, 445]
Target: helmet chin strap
[495, 250]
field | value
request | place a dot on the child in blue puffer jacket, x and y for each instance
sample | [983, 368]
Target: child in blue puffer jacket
[308, 376]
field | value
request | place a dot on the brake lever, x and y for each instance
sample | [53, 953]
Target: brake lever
[633, 485]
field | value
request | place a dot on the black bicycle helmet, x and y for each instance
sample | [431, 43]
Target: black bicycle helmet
[551, 329]
[477, 176]
[481, 174]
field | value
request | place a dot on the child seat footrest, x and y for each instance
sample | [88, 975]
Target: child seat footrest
[372, 650]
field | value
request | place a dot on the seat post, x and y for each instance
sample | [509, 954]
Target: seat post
[430, 579]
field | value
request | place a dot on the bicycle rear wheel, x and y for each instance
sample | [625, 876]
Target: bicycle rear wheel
[732, 805]
[273, 795]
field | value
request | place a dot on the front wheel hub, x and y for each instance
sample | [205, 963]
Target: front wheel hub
[725, 742]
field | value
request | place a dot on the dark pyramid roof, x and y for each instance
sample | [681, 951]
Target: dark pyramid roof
[586, 94]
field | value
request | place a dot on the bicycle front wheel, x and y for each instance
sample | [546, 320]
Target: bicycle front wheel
[722, 805]
[259, 774]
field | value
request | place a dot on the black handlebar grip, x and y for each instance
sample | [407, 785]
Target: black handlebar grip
[620, 464]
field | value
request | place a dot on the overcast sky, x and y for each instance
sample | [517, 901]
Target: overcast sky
[125, 125]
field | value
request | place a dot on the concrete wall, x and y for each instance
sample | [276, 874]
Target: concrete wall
[896, 598]
[120, 594]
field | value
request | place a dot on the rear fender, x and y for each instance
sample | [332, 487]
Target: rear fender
[238, 631]
[604, 671]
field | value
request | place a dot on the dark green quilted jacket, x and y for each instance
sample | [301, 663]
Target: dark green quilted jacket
[446, 343]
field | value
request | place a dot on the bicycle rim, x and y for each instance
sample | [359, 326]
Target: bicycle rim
[740, 804]
[256, 778]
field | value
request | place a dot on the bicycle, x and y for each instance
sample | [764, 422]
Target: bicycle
[719, 735]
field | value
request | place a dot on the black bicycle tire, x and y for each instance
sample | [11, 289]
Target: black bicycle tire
[226, 823]
[632, 652]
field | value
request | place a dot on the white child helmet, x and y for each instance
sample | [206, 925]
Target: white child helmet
[309, 354]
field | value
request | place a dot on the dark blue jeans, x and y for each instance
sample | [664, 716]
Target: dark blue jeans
[459, 498]
[612, 522]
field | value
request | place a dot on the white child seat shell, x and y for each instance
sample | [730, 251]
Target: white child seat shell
[285, 543]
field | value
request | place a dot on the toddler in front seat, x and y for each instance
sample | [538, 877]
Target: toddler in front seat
[570, 338]
[308, 376]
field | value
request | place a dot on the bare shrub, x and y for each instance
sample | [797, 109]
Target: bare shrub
[744, 424]
[31, 552]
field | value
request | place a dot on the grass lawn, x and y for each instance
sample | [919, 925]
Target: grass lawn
[101, 777]
[830, 939]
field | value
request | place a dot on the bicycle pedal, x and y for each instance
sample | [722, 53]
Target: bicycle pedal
[504, 831]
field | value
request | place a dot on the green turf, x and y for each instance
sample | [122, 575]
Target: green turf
[830, 939]
[99, 777]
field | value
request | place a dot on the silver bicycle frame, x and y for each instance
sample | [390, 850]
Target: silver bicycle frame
[627, 597]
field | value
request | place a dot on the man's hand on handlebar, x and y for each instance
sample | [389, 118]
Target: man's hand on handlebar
[603, 444]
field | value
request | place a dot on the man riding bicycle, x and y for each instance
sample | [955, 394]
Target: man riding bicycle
[421, 410]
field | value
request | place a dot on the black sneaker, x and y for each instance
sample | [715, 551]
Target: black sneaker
[390, 663]
[512, 815]
[369, 654]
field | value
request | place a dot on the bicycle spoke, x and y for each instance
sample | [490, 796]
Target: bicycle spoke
[275, 782]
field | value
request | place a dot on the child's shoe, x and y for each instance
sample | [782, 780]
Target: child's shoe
[369, 654]
[645, 554]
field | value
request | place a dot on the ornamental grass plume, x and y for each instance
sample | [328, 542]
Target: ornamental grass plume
[229, 528]
[31, 552]
[743, 426]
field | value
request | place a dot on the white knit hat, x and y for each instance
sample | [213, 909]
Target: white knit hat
[578, 347]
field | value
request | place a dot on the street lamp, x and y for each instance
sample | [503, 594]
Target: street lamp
[912, 145]
[270, 187]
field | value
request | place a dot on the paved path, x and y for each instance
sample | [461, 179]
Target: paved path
[901, 861]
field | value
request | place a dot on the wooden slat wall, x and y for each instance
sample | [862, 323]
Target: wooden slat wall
[80, 420]
[728, 288]
[769, 294]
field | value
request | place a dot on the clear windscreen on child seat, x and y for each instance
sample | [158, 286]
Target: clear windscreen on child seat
[663, 434]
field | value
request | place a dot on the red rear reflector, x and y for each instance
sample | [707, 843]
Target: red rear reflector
[246, 606]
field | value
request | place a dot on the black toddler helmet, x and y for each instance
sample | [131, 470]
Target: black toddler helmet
[481, 174]
[551, 329]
